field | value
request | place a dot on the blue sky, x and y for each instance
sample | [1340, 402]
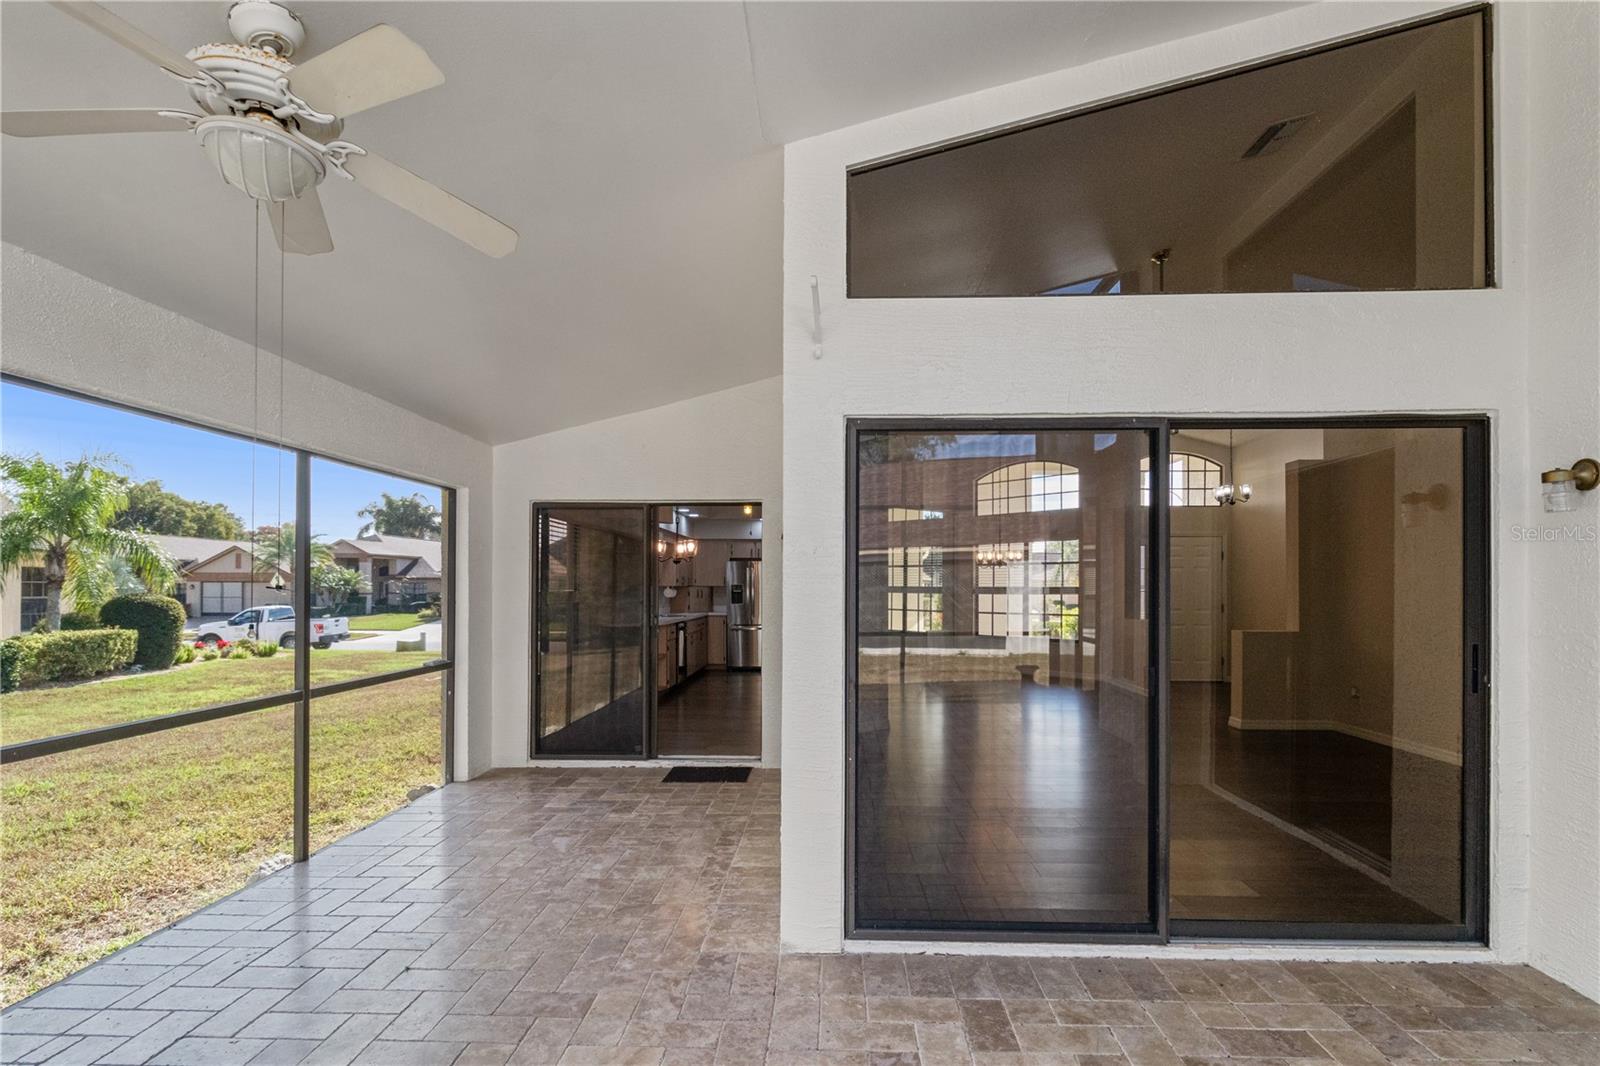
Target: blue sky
[192, 462]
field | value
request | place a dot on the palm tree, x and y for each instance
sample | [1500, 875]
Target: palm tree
[274, 549]
[61, 520]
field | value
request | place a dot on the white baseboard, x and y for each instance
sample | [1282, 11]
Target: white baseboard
[1325, 725]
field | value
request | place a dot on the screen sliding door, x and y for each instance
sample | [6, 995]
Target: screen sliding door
[590, 682]
[1001, 745]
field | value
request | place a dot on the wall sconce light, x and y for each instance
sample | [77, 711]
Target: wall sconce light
[1414, 506]
[1562, 485]
[685, 549]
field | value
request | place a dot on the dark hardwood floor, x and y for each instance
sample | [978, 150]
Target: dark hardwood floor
[986, 802]
[717, 713]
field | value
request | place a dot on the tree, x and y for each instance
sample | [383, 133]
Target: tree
[274, 548]
[62, 520]
[402, 516]
[337, 583]
[153, 509]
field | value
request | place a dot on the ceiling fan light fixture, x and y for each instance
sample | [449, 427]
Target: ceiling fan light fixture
[257, 156]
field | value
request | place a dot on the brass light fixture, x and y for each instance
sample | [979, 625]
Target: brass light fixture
[1562, 485]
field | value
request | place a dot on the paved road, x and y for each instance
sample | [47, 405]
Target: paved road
[433, 631]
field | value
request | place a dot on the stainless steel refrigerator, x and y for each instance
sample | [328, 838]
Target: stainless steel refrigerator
[744, 614]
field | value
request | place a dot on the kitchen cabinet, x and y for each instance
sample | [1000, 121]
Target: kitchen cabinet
[694, 634]
[666, 656]
[744, 549]
[711, 565]
[717, 640]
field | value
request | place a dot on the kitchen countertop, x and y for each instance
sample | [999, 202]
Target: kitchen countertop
[689, 616]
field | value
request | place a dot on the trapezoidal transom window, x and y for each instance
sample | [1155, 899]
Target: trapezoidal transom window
[1359, 166]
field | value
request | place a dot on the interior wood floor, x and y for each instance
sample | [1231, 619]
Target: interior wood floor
[716, 713]
[600, 916]
[996, 804]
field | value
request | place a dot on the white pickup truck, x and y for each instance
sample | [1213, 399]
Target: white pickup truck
[272, 625]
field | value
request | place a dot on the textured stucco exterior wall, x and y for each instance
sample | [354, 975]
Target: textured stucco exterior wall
[1562, 170]
[723, 446]
[1293, 353]
[61, 328]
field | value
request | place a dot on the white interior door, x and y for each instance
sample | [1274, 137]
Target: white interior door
[1197, 625]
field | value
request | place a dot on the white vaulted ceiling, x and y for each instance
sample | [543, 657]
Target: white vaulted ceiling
[635, 148]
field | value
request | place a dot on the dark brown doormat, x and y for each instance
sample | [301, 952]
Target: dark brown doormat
[703, 774]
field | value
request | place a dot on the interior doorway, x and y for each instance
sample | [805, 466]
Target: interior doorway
[709, 638]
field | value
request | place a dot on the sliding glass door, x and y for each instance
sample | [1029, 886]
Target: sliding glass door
[591, 695]
[1002, 764]
[1328, 779]
[1162, 679]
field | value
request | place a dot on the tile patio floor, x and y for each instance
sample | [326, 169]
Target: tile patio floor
[598, 916]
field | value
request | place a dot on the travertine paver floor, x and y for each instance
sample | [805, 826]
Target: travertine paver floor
[599, 916]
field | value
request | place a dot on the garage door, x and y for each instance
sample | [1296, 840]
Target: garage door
[221, 597]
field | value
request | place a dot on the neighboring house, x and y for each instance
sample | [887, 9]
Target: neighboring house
[396, 569]
[217, 577]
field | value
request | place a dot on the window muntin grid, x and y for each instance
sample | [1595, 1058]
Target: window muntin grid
[1192, 480]
[33, 600]
[1021, 488]
[912, 514]
[1033, 592]
[916, 582]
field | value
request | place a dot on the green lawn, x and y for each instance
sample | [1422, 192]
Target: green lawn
[44, 712]
[385, 623]
[104, 845]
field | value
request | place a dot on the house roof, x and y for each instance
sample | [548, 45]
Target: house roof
[382, 545]
[193, 553]
[189, 550]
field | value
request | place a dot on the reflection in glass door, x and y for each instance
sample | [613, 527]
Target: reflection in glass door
[590, 692]
[1001, 747]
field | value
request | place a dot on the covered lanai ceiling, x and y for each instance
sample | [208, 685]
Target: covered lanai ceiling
[635, 147]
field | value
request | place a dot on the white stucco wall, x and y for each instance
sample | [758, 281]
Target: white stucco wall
[61, 328]
[1241, 354]
[1562, 172]
[721, 447]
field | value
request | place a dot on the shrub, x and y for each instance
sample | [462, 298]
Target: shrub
[428, 614]
[75, 655]
[185, 654]
[209, 654]
[10, 665]
[158, 620]
[266, 651]
[244, 647]
[82, 620]
[225, 651]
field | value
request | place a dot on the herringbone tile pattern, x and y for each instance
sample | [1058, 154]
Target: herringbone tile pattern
[599, 916]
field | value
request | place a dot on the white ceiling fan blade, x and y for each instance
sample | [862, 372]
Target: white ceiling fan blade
[129, 36]
[432, 204]
[369, 69]
[300, 226]
[89, 120]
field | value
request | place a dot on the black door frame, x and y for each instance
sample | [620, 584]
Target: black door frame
[1475, 769]
[536, 581]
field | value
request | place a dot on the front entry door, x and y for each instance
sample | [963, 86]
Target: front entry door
[1197, 618]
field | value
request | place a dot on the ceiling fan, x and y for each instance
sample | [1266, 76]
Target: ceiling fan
[271, 127]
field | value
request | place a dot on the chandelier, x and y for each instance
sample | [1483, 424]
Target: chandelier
[1228, 492]
[998, 555]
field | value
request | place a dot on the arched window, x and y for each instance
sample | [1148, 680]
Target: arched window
[1192, 480]
[1024, 487]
